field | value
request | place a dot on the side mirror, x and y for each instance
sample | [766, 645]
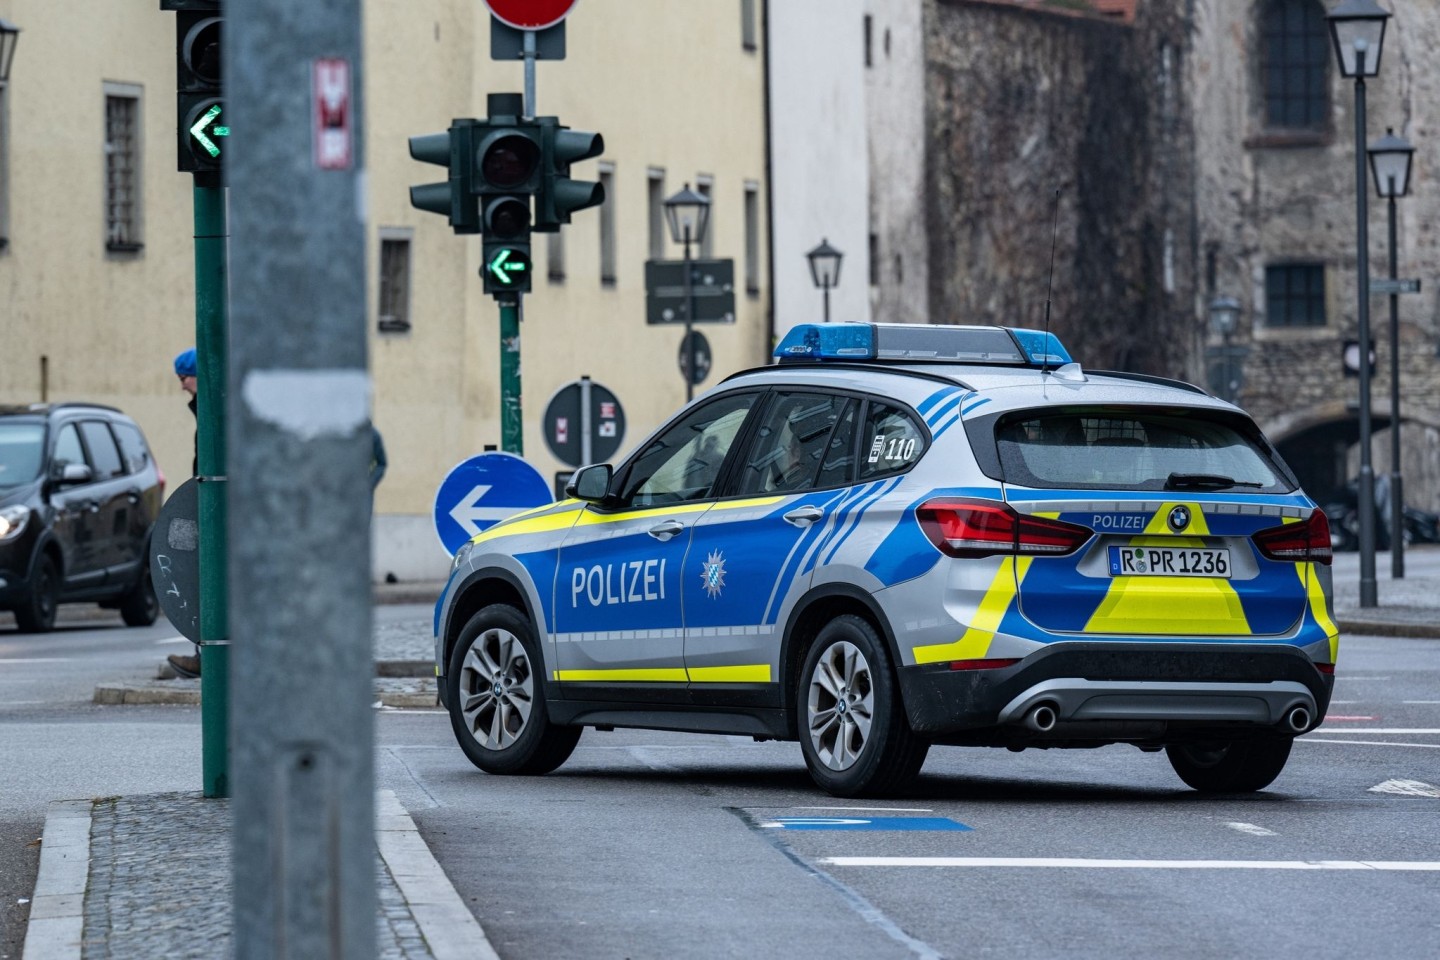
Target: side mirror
[73, 473]
[591, 484]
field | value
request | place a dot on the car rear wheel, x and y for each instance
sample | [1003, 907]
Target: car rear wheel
[140, 606]
[853, 730]
[497, 697]
[1234, 766]
[36, 612]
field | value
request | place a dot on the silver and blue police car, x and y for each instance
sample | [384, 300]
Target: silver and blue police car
[901, 536]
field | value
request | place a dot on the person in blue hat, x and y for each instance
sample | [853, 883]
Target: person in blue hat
[188, 372]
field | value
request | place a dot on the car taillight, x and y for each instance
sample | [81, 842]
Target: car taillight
[1298, 542]
[982, 528]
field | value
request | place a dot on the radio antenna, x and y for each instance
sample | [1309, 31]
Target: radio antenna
[1054, 232]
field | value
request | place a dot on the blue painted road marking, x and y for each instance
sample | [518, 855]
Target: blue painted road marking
[862, 823]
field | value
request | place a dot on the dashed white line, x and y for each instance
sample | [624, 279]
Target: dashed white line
[1384, 730]
[1426, 702]
[1370, 743]
[1251, 829]
[1428, 866]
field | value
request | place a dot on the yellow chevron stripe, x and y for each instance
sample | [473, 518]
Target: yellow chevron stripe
[1159, 524]
[744, 673]
[976, 640]
[513, 527]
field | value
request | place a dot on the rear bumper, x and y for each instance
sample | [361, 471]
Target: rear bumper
[1122, 691]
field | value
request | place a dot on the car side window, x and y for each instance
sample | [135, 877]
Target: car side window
[132, 447]
[792, 443]
[683, 462]
[67, 448]
[104, 455]
[891, 442]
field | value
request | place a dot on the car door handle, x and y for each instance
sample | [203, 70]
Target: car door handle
[133, 496]
[804, 516]
[666, 529]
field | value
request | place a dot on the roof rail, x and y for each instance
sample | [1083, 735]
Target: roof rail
[1151, 378]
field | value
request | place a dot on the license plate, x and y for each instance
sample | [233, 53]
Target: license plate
[1169, 562]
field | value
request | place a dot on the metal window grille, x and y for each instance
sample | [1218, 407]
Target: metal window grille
[607, 229]
[656, 186]
[747, 24]
[705, 186]
[555, 257]
[1295, 295]
[1295, 53]
[122, 174]
[394, 286]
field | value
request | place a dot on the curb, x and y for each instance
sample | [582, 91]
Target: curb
[417, 692]
[1389, 628]
[57, 908]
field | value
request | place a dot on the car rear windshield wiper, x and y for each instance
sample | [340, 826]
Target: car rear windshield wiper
[1190, 481]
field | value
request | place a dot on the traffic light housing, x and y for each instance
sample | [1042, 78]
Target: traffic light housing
[560, 196]
[508, 156]
[455, 198]
[202, 126]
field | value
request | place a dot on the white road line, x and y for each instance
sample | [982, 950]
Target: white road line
[1428, 866]
[1251, 829]
[880, 809]
[1414, 701]
[36, 659]
[1407, 788]
[1370, 743]
[161, 643]
[1384, 730]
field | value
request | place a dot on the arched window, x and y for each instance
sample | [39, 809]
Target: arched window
[1294, 53]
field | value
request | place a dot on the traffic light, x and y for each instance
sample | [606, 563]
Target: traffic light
[455, 198]
[508, 155]
[200, 99]
[559, 195]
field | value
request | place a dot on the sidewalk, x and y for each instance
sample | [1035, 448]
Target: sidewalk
[102, 892]
[1408, 607]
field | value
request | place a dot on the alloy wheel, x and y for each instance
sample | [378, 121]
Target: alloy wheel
[497, 689]
[841, 705]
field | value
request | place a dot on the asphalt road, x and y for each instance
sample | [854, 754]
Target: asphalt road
[660, 845]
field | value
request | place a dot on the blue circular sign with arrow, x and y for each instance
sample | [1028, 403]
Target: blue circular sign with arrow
[480, 492]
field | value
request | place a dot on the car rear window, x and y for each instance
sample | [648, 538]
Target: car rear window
[1134, 450]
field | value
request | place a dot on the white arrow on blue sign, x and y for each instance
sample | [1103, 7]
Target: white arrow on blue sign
[480, 492]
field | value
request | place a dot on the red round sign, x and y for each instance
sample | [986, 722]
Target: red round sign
[530, 14]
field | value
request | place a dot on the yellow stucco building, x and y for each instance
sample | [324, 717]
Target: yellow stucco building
[96, 270]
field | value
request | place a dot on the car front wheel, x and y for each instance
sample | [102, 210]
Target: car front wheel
[497, 697]
[140, 607]
[853, 730]
[36, 612]
[1233, 766]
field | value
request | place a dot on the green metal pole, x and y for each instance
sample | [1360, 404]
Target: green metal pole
[512, 435]
[212, 337]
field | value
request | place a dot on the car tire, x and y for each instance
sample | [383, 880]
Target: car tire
[140, 607]
[497, 697]
[36, 612]
[1235, 766]
[851, 723]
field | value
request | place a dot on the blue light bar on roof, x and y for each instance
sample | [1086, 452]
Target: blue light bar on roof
[1041, 348]
[819, 341]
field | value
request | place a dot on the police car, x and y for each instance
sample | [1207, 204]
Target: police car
[901, 536]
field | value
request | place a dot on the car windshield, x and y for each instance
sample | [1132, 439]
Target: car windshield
[22, 447]
[1139, 450]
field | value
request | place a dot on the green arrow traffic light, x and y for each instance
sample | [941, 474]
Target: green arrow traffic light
[508, 267]
[207, 121]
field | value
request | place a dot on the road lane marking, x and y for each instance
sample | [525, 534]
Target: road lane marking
[36, 659]
[876, 809]
[1251, 829]
[161, 643]
[1372, 743]
[1331, 718]
[1407, 788]
[1430, 702]
[1384, 730]
[1426, 866]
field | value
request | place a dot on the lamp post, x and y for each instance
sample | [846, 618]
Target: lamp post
[1224, 318]
[1357, 28]
[9, 36]
[825, 269]
[688, 213]
[1390, 158]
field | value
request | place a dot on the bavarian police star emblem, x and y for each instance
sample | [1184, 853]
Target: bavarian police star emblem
[712, 573]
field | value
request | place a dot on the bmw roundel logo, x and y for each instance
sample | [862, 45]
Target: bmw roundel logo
[1179, 518]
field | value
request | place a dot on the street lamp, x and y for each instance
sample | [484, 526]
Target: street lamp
[688, 213]
[9, 36]
[825, 269]
[1358, 29]
[1390, 158]
[1224, 319]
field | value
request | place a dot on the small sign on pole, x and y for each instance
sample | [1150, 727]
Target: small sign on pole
[334, 128]
[1378, 287]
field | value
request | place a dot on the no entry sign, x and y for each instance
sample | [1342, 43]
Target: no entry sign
[530, 14]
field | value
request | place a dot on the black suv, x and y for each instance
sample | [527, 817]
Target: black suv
[79, 494]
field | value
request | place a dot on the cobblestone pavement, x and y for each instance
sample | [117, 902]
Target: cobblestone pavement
[160, 884]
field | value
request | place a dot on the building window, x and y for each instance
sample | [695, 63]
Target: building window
[874, 258]
[122, 168]
[394, 298]
[869, 40]
[1294, 56]
[1295, 295]
[4, 171]
[752, 238]
[655, 194]
[705, 186]
[555, 257]
[747, 24]
[607, 227]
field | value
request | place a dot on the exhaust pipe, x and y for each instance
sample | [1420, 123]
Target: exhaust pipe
[1041, 718]
[1298, 719]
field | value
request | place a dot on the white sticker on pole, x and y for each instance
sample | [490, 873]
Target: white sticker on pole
[334, 119]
